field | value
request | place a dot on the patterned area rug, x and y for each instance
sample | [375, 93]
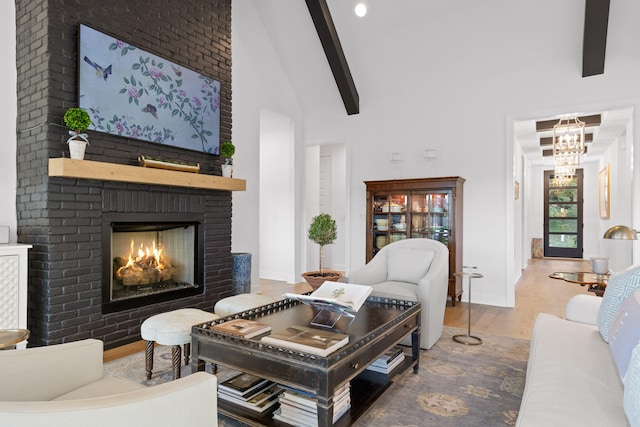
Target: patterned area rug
[457, 385]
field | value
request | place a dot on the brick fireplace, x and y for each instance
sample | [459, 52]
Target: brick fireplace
[64, 217]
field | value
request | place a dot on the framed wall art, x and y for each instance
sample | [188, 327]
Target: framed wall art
[604, 192]
[135, 94]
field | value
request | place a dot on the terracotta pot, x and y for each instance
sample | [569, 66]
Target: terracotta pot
[315, 279]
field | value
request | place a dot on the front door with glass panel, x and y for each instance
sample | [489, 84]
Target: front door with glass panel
[563, 216]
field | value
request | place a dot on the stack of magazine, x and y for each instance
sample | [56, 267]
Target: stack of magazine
[249, 391]
[388, 361]
[299, 408]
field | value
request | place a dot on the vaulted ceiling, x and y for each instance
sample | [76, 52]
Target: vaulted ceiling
[330, 55]
[596, 22]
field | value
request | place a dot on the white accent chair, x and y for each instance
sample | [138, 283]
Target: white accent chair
[413, 270]
[63, 386]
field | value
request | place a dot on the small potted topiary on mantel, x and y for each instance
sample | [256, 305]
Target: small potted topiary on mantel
[77, 120]
[227, 150]
[323, 231]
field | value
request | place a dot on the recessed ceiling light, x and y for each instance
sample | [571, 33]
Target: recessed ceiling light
[360, 10]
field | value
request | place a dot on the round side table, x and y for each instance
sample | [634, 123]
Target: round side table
[10, 337]
[467, 338]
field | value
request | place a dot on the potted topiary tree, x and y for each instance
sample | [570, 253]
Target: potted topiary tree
[323, 231]
[227, 149]
[77, 120]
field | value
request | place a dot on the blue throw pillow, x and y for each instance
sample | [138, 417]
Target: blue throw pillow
[620, 286]
[624, 333]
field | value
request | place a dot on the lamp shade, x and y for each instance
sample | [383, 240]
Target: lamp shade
[621, 232]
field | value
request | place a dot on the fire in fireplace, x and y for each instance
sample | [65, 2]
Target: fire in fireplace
[150, 260]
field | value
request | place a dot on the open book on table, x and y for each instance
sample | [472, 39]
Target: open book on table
[336, 295]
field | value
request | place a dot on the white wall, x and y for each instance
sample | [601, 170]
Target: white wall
[619, 159]
[259, 84]
[277, 197]
[8, 77]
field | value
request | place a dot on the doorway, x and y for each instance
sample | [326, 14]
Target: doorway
[326, 191]
[563, 206]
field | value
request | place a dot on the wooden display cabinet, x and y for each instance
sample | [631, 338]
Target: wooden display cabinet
[418, 208]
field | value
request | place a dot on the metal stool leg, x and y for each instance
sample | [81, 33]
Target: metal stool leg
[468, 339]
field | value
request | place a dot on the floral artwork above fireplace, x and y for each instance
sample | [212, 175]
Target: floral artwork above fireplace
[135, 94]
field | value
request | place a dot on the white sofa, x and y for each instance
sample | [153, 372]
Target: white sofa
[577, 372]
[413, 270]
[63, 385]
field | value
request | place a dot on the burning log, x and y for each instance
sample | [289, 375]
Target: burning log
[148, 267]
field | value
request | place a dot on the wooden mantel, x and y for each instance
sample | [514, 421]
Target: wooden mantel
[87, 169]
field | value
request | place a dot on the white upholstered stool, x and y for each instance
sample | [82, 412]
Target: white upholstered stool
[172, 328]
[241, 302]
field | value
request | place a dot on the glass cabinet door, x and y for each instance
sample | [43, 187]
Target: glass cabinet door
[430, 216]
[389, 219]
[439, 208]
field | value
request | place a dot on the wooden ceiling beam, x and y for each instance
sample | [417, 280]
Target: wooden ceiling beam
[594, 44]
[548, 140]
[321, 16]
[547, 125]
[548, 153]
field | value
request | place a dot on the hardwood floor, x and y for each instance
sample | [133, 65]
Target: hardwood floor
[535, 293]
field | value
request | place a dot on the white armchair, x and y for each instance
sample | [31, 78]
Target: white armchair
[413, 270]
[63, 386]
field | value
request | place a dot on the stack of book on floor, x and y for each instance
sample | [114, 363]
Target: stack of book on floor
[298, 408]
[249, 391]
[388, 361]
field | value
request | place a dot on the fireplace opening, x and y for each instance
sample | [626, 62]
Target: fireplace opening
[150, 259]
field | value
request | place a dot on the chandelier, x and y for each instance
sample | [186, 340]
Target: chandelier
[568, 146]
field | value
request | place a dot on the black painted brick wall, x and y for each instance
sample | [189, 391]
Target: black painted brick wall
[61, 218]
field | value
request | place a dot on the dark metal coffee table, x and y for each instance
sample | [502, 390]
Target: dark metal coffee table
[379, 325]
